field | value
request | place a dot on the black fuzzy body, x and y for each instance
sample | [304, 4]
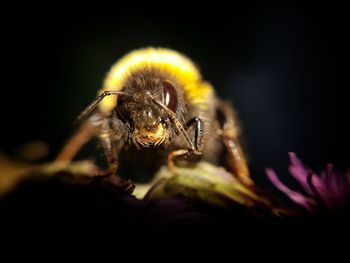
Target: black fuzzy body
[139, 112]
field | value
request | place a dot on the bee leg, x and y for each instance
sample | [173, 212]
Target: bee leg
[237, 160]
[229, 134]
[197, 143]
[110, 152]
[111, 143]
[111, 140]
[75, 143]
[172, 156]
[198, 134]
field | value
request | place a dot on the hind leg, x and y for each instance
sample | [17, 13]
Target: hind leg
[229, 134]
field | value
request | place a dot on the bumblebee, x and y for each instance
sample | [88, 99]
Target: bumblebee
[155, 108]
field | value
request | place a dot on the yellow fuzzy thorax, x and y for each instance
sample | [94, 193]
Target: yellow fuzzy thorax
[196, 90]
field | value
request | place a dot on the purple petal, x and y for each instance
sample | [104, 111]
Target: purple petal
[331, 187]
[335, 187]
[322, 189]
[299, 172]
[293, 195]
[339, 188]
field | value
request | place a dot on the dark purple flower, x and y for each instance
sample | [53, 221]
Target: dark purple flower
[328, 189]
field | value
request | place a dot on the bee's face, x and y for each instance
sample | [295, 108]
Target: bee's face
[149, 123]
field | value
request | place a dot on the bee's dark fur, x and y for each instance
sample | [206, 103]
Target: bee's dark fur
[140, 112]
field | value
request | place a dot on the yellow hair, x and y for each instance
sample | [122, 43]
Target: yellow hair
[196, 90]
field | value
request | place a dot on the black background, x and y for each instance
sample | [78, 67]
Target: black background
[282, 65]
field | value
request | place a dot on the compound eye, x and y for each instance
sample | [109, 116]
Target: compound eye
[170, 96]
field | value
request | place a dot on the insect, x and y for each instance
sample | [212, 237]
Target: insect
[155, 108]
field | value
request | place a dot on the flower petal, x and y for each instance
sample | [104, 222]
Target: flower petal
[299, 172]
[293, 195]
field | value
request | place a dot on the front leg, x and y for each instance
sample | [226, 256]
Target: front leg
[111, 134]
[108, 133]
[197, 123]
[110, 151]
[197, 141]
